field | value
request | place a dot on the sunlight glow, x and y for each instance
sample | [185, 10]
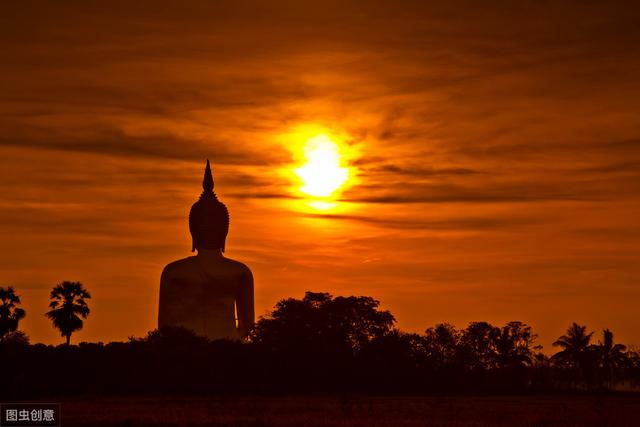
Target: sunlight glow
[321, 205]
[323, 172]
[323, 167]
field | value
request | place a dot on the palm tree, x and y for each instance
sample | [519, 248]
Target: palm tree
[575, 348]
[612, 356]
[68, 307]
[10, 313]
[574, 344]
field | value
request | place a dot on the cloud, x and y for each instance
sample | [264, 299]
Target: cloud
[452, 224]
[114, 142]
[494, 141]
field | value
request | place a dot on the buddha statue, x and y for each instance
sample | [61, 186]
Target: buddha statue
[205, 293]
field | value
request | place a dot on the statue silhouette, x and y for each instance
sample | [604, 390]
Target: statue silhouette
[204, 292]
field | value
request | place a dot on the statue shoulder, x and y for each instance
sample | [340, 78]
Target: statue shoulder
[239, 266]
[175, 267]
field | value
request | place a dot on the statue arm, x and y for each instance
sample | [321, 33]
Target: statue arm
[244, 304]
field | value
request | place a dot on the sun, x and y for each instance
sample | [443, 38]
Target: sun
[324, 171]
[323, 167]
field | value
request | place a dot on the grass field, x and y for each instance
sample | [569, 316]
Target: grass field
[352, 411]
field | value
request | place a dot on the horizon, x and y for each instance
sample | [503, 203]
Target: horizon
[595, 336]
[457, 163]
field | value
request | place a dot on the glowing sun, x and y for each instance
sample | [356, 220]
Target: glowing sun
[323, 172]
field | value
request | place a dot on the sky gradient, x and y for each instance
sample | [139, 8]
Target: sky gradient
[497, 155]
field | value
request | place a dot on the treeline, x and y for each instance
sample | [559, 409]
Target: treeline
[323, 343]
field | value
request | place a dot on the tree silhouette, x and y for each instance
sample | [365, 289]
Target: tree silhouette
[612, 356]
[574, 345]
[576, 352]
[478, 345]
[10, 313]
[515, 345]
[441, 344]
[16, 338]
[68, 307]
[320, 323]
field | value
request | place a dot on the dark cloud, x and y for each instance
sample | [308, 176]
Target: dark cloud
[455, 224]
[112, 141]
[513, 192]
[379, 166]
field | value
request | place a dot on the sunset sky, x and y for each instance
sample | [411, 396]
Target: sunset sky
[492, 154]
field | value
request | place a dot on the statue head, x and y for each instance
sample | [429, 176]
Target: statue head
[208, 218]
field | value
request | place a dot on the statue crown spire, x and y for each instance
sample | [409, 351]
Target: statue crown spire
[208, 217]
[207, 182]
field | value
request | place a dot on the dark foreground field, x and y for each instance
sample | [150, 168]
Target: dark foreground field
[619, 410]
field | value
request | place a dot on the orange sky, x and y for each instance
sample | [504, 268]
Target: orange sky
[498, 155]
